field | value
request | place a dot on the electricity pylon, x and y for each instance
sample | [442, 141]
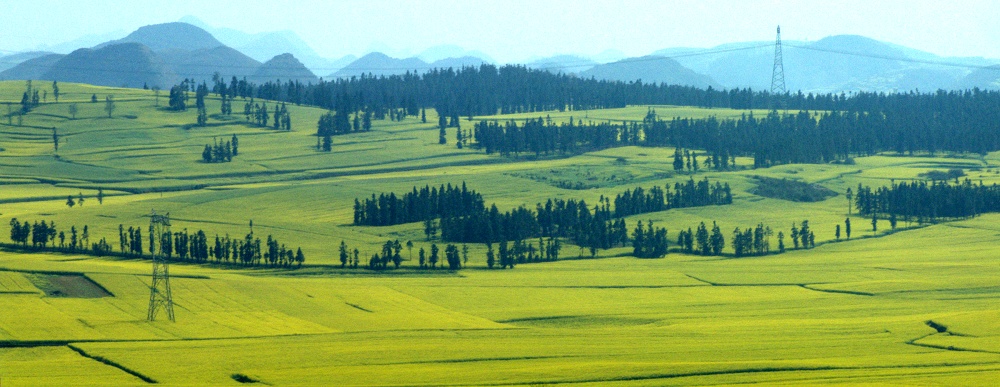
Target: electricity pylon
[778, 90]
[159, 291]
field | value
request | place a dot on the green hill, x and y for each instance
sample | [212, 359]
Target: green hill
[914, 305]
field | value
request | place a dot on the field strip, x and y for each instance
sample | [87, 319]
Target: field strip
[751, 285]
[836, 291]
[751, 370]
[806, 286]
[63, 343]
[112, 363]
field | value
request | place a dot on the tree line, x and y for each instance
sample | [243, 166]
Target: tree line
[927, 202]
[690, 194]
[196, 247]
[491, 89]
[459, 214]
[417, 205]
[861, 124]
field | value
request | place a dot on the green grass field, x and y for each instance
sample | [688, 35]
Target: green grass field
[846, 312]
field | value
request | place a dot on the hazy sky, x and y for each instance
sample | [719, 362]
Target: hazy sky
[517, 30]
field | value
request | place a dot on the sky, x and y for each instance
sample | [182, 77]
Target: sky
[517, 30]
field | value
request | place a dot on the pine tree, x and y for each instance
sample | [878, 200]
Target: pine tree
[434, 255]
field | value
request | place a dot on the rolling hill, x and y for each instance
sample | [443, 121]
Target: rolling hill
[568, 64]
[283, 67]
[125, 64]
[909, 306]
[650, 69]
[457, 63]
[9, 61]
[983, 78]
[377, 64]
[166, 36]
[32, 68]
[202, 63]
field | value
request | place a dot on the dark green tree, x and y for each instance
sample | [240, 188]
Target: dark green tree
[434, 255]
[343, 254]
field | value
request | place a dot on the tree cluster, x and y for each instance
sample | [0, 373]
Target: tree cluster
[509, 255]
[417, 205]
[803, 236]
[30, 99]
[701, 241]
[649, 242]
[927, 202]
[690, 194]
[178, 97]
[752, 241]
[221, 152]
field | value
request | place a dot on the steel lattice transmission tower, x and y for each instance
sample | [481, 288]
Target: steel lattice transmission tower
[159, 291]
[778, 90]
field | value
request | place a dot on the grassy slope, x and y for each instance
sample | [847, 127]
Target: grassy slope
[844, 312]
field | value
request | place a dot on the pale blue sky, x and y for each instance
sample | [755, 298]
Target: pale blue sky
[517, 30]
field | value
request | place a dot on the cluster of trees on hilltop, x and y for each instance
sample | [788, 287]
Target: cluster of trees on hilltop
[926, 202]
[417, 205]
[657, 199]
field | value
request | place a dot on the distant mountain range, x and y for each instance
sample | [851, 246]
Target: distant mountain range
[650, 69]
[159, 55]
[164, 54]
[264, 46]
[833, 64]
[379, 64]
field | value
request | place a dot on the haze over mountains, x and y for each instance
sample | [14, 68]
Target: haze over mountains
[164, 54]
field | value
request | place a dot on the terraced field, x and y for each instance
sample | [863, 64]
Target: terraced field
[915, 305]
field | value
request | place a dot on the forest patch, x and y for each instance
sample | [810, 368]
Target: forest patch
[791, 190]
[581, 177]
[953, 173]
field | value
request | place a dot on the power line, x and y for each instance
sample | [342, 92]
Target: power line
[899, 59]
